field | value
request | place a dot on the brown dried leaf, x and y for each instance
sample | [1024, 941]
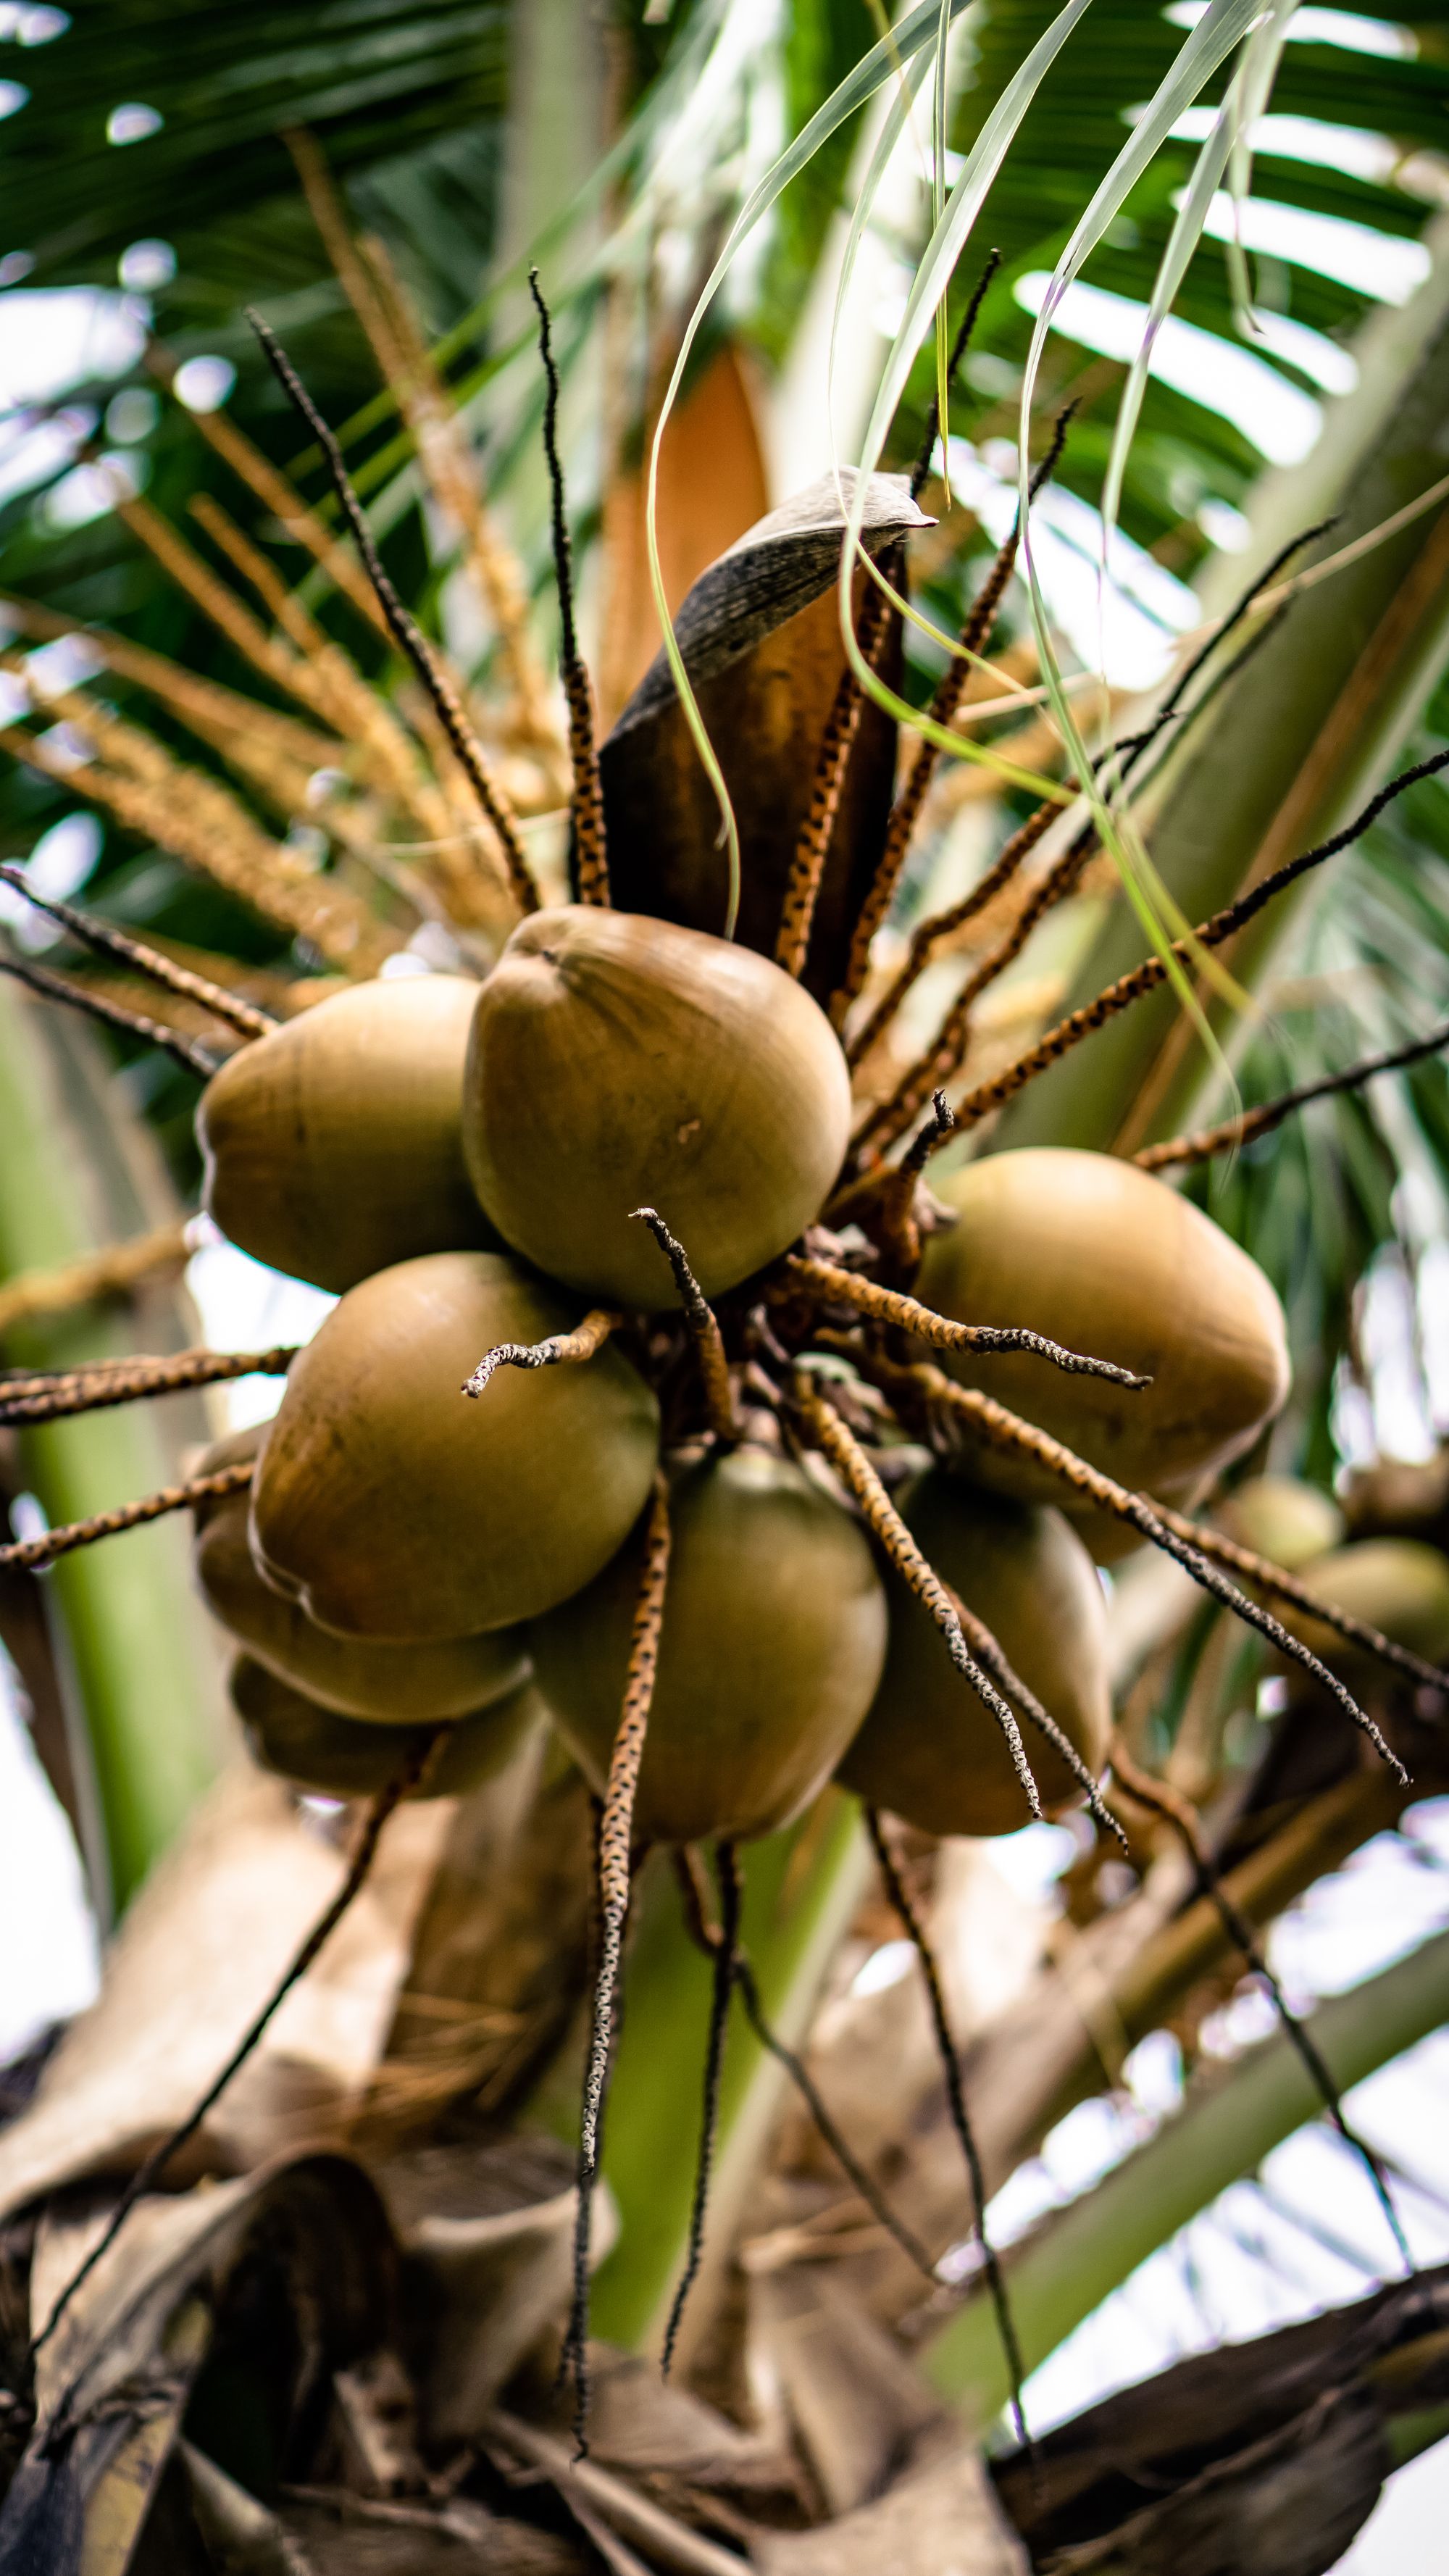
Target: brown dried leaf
[943, 2521]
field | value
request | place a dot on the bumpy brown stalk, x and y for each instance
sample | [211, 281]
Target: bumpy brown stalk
[27, 1554]
[726, 1970]
[912, 1925]
[1204, 1142]
[944, 1054]
[242, 1016]
[276, 494]
[928, 935]
[834, 1436]
[836, 1287]
[580, 1344]
[1163, 1800]
[703, 1326]
[79, 997]
[1273, 1578]
[1144, 979]
[807, 868]
[151, 2169]
[616, 1837]
[950, 689]
[1005, 1430]
[992, 1658]
[113, 1272]
[591, 856]
[408, 634]
[899, 1233]
[89, 1390]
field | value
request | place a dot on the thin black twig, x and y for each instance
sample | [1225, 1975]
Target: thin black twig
[1249, 1124]
[247, 1018]
[588, 800]
[911, 1923]
[1182, 1816]
[150, 2171]
[581, 1344]
[404, 627]
[959, 346]
[725, 1965]
[185, 1051]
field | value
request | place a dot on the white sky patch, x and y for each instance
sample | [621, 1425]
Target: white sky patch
[90, 490]
[1383, 265]
[133, 123]
[1280, 419]
[204, 383]
[245, 1306]
[1355, 33]
[1127, 625]
[1332, 367]
[30, 456]
[55, 337]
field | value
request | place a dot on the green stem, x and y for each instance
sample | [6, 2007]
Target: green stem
[801, 1889]
[136, 1655]
[1070, 2264]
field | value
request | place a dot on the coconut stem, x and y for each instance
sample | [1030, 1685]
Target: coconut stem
[55, 988]
[151, 2169]
[1163, 1800]
[992, 1656]
[28, 1554]
[802, 890]
[245, 1017]
[726, 1961]
[112, 1272]
[703, 1326]
[57, 1392]
[950, 689]
[944, 1055]
[928, 935]
[580, 1344]
[834, 1436]
[834, 1286]
[905, 1908]
[616, 1835]
[588, 795]
[1144, 979]
[406, 632]
[1204, 1142]
[1006, 1430]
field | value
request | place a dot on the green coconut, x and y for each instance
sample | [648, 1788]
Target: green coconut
[333, 1146]
[619, 1062]
[1398, 1585]
[360, 1678]
[773, 1636]
[389, 1504]
[1110, 1261]
[1283, 1518]
[334, 1757]
[930, 1751]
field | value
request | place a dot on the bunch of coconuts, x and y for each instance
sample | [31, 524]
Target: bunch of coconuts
[462, 1163]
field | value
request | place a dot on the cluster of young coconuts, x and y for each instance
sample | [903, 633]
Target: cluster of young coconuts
[462, 1163]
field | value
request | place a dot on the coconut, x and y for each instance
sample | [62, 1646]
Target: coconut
[930, 1750]
[773, 1636]
[389, 1504]
[1398, 1585]
[618, 1062]
[332, 1146]
[335, 1757]
[360, 1678]
[1282, 1518]
[1110, 1261]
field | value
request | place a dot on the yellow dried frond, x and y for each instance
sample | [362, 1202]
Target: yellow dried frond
[200, 822]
